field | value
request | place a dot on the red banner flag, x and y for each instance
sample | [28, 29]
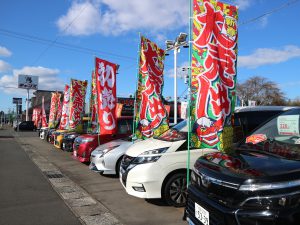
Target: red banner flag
[213, 81]
[93, 103]
[36, 116]
[54, 107]
[64, 121]
[151, 117]
[107, 99]
[77, 100]
[44, 117]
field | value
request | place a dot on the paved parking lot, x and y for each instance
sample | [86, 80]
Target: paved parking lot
[107, 191]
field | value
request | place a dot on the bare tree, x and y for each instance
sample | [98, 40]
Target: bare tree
[260, 90]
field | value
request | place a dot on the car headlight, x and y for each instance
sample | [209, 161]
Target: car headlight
[71, 136]
[149, 156]
[86, 140]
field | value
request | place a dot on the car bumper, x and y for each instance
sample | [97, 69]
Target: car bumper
[98, 165]
[219, 214]
[67, 145]
[142, 181]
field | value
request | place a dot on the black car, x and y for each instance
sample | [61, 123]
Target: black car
[25, 125]
[257, 184]
[68, 141]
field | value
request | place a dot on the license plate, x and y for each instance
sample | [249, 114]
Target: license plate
[201, 214]
[63, 145]
[75, 153]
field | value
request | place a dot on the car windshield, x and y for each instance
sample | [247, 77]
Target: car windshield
[280, 136]
[176, 133]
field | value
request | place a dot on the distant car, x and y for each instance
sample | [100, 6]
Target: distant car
[85, 144]
[68, 141]
[247, 118]
[25, 125]
[42, 132]
[106, 158]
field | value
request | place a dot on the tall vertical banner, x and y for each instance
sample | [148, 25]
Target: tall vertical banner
[44, 117]
[151, 117]
[36, 116]
[214, 57]
[77, 101]
[106, 98]
[93, 103]
[55, 101]
[64, 121]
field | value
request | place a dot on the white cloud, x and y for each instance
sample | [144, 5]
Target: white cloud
[4, 66]
[5, 52]
[48, 79]
[181, 71]
[116, 17]
[243, 4]
[267, 56]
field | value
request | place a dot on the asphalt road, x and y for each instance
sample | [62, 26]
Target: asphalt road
[105, 190]
[26, 197]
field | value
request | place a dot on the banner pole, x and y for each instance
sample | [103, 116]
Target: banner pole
[189, 93]
[136, 89]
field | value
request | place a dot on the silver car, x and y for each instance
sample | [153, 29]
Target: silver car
[106, 158]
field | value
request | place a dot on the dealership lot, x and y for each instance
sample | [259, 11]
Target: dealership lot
[106, 190]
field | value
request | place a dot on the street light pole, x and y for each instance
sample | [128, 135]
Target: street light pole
[175, 46]
[175, 85]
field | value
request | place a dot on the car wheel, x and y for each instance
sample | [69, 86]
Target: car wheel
[118, 166]
[175, 190]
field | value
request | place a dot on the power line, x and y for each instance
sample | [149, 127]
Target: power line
[287, 4]
[53, 42]
[57, 44]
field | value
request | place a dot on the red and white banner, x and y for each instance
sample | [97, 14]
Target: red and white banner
[64, 121]
[44, 117]
[77, 100]
[55, 102]
[36, 116]
[93, 103]
[106, 98]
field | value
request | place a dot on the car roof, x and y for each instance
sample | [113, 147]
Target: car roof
[263, 108]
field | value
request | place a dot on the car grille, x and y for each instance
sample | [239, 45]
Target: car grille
[217, 190]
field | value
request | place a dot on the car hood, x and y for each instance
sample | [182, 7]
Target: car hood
[248, 165]
[146, 145]
[111, 144]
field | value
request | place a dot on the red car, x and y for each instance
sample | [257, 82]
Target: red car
[86, 143]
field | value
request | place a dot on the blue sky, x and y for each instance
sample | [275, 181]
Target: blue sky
[32, 33]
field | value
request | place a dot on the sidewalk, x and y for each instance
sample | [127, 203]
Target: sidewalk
[109, 195]
[25, 195]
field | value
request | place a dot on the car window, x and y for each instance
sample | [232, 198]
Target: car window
[124, 126]
[279, 136]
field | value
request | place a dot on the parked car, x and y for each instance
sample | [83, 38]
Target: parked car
[42, 132]
[258, 183]
[156, 168]
[247, 118]
[85, 144]
[106, 158]
[25, 125]
[50, 135]
[68, 141]
[58, 137]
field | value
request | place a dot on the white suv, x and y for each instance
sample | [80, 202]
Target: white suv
[156, 168]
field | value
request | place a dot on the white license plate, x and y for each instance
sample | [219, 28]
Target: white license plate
[63, 145]
[201, 214]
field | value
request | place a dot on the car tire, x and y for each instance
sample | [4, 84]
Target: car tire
[175, 190]
[118, 166]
